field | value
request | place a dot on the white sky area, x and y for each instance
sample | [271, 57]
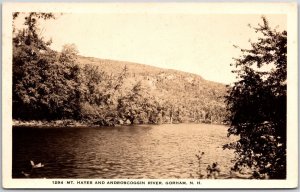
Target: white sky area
[195, 43]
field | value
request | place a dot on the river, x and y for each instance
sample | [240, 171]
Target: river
[134, 152]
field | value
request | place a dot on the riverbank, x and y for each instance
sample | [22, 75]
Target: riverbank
[53, 123]
[66, 123]
[77, 124]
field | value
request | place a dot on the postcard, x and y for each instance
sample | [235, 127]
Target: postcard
[149, 95]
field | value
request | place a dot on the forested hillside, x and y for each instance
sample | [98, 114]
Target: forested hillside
[51, 85]
[182, 97]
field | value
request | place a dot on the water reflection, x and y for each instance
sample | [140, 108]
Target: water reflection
[164, 151]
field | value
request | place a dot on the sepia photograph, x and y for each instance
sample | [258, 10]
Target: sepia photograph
[149, 95]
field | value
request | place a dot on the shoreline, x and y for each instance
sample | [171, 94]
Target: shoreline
[69, 123]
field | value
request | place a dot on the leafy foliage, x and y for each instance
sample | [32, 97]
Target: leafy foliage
[99, 95]
[257, 105]
[139, 107]
[44, 82]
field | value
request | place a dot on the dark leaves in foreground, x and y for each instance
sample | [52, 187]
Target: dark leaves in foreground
[257, 105]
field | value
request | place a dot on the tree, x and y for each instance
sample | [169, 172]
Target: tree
[130, 106]
[44, 82]
[138, 107]
[99, 94]
[63, 99]
[256, 104]
[30, 53]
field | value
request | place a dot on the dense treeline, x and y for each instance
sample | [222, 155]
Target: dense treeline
[50, 85]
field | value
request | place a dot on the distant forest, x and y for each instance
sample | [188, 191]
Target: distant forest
[50, 85]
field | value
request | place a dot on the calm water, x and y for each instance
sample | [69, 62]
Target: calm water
[148, 152]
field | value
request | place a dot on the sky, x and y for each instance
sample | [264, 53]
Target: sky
[196, 43]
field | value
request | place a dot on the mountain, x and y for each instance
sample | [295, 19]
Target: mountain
[195, 98]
